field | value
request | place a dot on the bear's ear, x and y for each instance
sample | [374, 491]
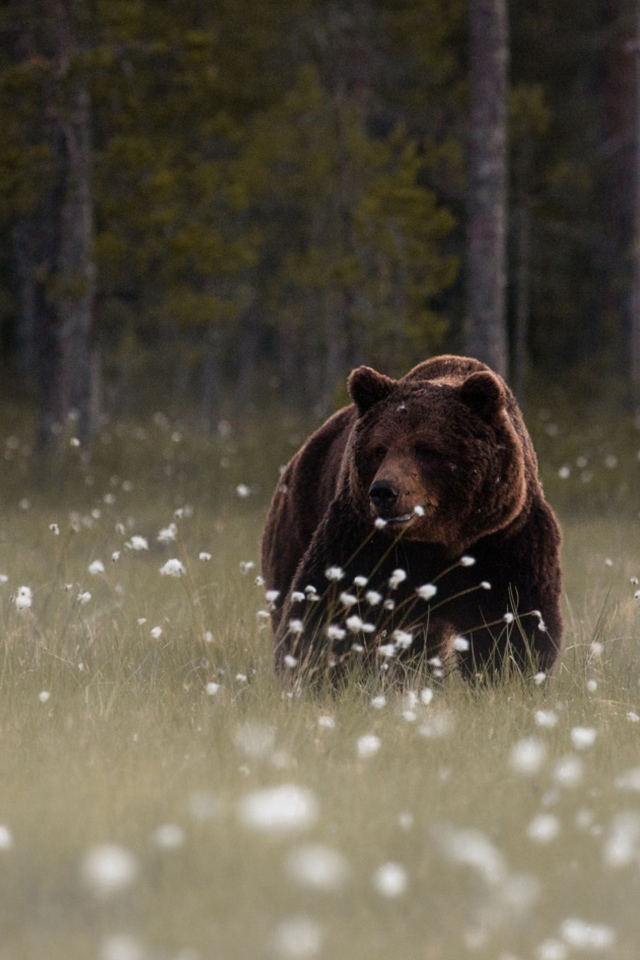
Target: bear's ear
[368, 387]
[484, 394]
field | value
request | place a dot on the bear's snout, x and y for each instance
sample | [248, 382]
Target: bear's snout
[383, 494]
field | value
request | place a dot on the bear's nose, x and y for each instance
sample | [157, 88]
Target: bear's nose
[383, 494]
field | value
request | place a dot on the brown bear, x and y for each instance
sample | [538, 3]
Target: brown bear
[413, 524]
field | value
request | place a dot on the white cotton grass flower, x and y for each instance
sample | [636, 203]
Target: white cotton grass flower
[290, 662]
[212, 688]
[173, 568]
[387, 650]
[552, 950]
[390, 880]
[622, 840]
[271, 596]
[437, 726]
[368, 745]
[109, 868]
[403, 639]
[460, 644]
[3, 579]
[55, 529]
[23, 599]
[327, 722]
[6, 838]
[347, 599]
[544, 828]
[318, 867]
[360, 581]
[546, 719]
[583, 935]
[378, 702]
[246, 566]
[168, 836]
[427, 591]
[418, 510]
[335, 632]
[471, 848]
[334, 573]
[568, 771]
[397, 577]
[205, 556]
[84, 597]
[136, 542]
[297, 596]
[44, 696]
[96, 567]
[168, 534]
[296, 626]
[156, 632]
[508, 617]
[297, 938]
[426, 696]
[528, 756]
[121, 946]
[279, 810]
[373, 598]
[379, 523]
[467, 561]
[629, 780]
[115, 556]
[583, 737]
[354, 624]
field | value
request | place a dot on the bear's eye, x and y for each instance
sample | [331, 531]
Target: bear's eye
[378, 453]
[432, 457]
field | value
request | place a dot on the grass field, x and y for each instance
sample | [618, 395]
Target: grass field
[162, 796]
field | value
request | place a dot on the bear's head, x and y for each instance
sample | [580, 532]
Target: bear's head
[439, 461]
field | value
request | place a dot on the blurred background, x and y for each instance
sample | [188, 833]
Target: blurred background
[216, 209]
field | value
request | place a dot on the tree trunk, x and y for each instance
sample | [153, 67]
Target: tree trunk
[634, 319]
[486, 332]
[522, 227]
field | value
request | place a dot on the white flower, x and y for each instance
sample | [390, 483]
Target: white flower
[173, 568]
[6, 838]
[168, 534]
[460, 644]
[354, 624]
[115, 556]
[23, 598]
[427, 591]
[360, 581]
[109, 868]
[156, 632]
[373, 598]
[528, 755]
[96, 567]
[485, 585]
[317, 866]
[297, 938]
[137, 543]
[347, 599]
[271, 595]
[327, 722]
[467, 561]
[290, 661]
[3, 578]
[633, 717]
[334, 573]
[243, 490]
[621, 845]
[426, 696]
[379, 523]
[418, 510]
[390, 880]
[84, 597]
[629, 780]
[43, 696]
[546, 718]
[567, 771]
[204, 556]
[586, 936]
[246, 566]
[55, 529]
[403, 639]
[169, 836]
[368, 745]
[297, 596]
[397, 577]
[387, 650]
[334, 632]
[279, 809]
[212, 688]
[583, 737]
[378, 702]
[544, 828]
[552, 950]
[296, 626]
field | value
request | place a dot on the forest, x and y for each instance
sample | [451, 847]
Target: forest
[220, 208]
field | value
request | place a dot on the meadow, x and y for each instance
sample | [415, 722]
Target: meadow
[164, 797]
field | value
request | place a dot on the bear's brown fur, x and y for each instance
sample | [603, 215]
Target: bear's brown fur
[433, 475]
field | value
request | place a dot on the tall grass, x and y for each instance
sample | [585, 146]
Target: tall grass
[496, 823]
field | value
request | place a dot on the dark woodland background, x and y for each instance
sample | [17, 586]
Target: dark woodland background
[221, 207]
